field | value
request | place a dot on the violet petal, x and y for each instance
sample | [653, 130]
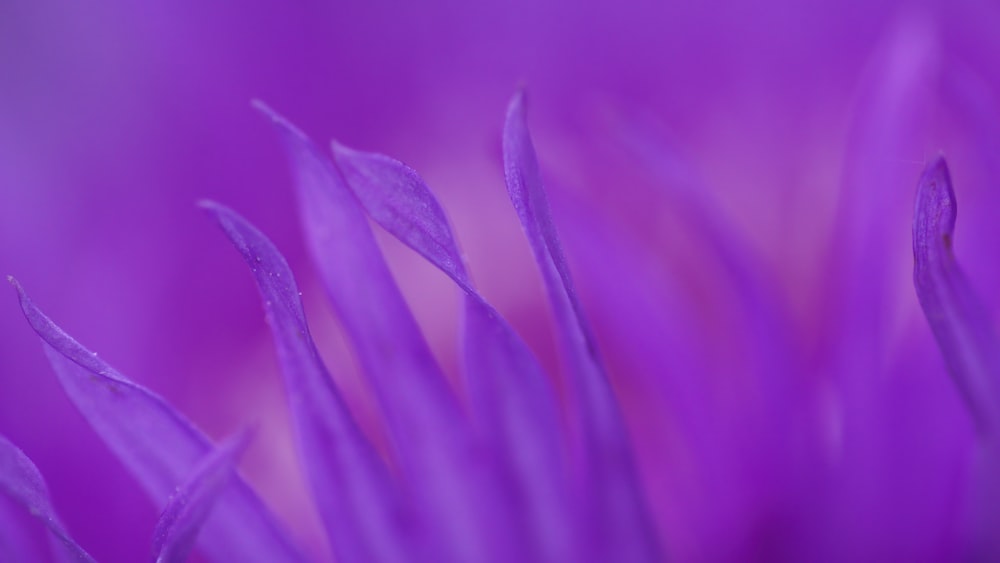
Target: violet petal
[157, 444]
[960, 323]
[397, 198]
[351, 485]
[21, 483]
[511, 395]
[185, 514]
[620, 525]
[448, 474]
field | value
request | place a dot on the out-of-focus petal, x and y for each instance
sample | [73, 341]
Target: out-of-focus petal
[619, 527]
[968, 343]
[511, 395]
[960, 323]
[892, 119]
[351, 485]
[21, 483]
[185, 514]
[449, 476]
[157, 444]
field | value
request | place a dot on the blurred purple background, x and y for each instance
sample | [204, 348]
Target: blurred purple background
[116, 118]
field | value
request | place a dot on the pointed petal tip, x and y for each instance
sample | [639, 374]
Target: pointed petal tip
[280, 122]
[341, 150]
[230, 221]
[516, 107]
[267, 111]
[17, 287]
[223, 216]
[208, 205]
[936, 205]
[936, 168]
[195, 499]
[213, 208]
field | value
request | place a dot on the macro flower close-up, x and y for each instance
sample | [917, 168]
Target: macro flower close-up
[540, 281]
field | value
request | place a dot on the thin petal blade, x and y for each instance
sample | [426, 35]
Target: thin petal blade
[620, 526]
[157, 444]
[448, 474]
[511, 395]
[21, 483]
[185, 514]
[958, 320]
[968, 343]
[351, 486]
[397, 198]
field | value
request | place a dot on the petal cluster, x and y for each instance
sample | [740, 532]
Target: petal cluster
[497, 475]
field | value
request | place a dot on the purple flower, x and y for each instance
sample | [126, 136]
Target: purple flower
[499, 480]
[732, 189]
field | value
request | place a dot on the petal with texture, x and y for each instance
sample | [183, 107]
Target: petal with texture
[189, 507]
[157, 444]
[23, 486]
[449, 475]
[959, 321]
[351, 485]
[620, 523]
[511, 395]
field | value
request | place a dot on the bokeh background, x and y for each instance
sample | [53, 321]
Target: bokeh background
[117, 117]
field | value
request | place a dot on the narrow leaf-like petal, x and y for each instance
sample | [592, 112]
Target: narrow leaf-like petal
[23, 486]
[397, 198]
[448, 474]
[157, 444]
[510, 393]
[350, 484]
[620, 526]
[185, 514]
[959, 321]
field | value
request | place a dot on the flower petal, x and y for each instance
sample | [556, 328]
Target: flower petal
[157, 444]
[21, 483]
[185, 514]
[968, 342]
[960, 323]
[351, 485]
[621, 529]
[511, 395]
[449, 475]
[397, 198]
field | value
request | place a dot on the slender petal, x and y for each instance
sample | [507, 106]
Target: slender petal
[868, 253]
[448, 474]
[510, 392]
[397, 198]
[21, 483]
[890, 123]
[960, 323]
[157, 444]
[621, 527]
[965, 335]
[351, 485]
[185, 514]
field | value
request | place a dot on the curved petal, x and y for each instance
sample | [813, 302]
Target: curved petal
[968, 343]
[350, 484]
[157, 444]
[185, 514]
[397, 198]
[960, 323]
[620, 524]
[511, 395]
[450, 475]
[21, 483]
